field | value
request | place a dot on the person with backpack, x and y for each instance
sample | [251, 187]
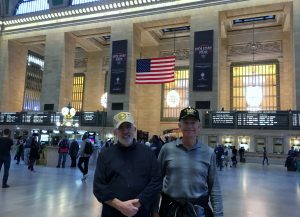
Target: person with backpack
[85, 151]
[73, 152]
[63, 150]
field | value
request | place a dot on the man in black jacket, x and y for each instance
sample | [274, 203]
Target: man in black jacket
[127, 177]
[5, 145]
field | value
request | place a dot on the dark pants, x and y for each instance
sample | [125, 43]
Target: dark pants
[6, 161]
[31, 163]
[73, 161]
[62, 156]
[108, 211]
[265, 158]
[85, 162]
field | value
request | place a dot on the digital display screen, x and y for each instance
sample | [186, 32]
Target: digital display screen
[89, 118]
[270, 120]
[10, 118]
[222, 119]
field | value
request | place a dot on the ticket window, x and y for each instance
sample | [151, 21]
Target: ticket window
[244, 142]
[295, 142]
[260, 144]
[278, 145]
[212, 141]
[227, 141]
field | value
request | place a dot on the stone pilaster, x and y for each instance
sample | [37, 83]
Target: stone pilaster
[13, 71]
[209, 21]
[94, 82]
[59, 69]
[123, 31]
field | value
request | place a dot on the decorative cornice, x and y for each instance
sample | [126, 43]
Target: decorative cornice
[99, 11]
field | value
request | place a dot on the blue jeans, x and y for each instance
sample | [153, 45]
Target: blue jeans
[6, 161]
[62, 156]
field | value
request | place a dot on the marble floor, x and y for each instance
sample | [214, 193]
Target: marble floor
[251, 190]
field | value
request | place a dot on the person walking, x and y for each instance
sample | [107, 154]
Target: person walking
[234, 156]
[84, 156]
[73, 152]
[127, 177]
[265, 157]
[5, 146]
[33, 154]
[20, 149]
[190, 178]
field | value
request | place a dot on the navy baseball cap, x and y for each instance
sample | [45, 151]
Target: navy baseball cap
[189, 112]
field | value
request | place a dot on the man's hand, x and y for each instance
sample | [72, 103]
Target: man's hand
[128, 208]
[155, 214]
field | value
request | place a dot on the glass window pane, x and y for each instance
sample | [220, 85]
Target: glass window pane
[254, 87]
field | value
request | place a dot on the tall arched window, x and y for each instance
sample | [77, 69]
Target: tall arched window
[79, 2]
[175, 95]
[255, 87]
[29, 6]
[33, 82]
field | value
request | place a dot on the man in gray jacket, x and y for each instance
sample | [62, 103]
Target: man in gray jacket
[189, 172]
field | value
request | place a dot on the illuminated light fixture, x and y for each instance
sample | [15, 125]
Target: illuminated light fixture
[111, 6]
[149, 1]
[73, 12]
[106, 7]
[103, 7]
[123, 4]
[244, 141]
[173, 98]
[99, 8]
[103, 100]
[131, 2]
[93, 9]
[227, 139]
[59, 14]
[127, 3]
[140, 1]
[115, 5]
[80, 10]
[135, 2]
[119, 4]
[84, 10]
[76, 11]
[76, 125]
[89, 9]
[144, 1]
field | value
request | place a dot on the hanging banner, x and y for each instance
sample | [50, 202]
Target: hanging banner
[118, 67]
[203, 60]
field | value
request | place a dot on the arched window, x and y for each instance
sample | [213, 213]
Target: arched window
[79, 2]
[29, 6]
[175, 95]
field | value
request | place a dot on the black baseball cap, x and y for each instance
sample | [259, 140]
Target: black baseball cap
[189, 112]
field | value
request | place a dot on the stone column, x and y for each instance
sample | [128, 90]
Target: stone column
[123, 31]
[59, 69]
[296, 28]
[13, 60]
[94, 82]
[205, 19]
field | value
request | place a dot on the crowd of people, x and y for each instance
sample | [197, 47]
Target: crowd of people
[159, 178]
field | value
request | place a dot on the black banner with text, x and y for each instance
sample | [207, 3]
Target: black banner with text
[118, 67]
[203, 60]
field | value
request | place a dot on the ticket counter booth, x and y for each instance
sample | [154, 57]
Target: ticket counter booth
[278, 147]
[212, 141]
[228, 141]
[260, 143]
[244, 141]
[295, 142]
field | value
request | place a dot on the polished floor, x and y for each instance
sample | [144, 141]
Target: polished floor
[251, 190]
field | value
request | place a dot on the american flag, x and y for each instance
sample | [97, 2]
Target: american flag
[155, 70]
